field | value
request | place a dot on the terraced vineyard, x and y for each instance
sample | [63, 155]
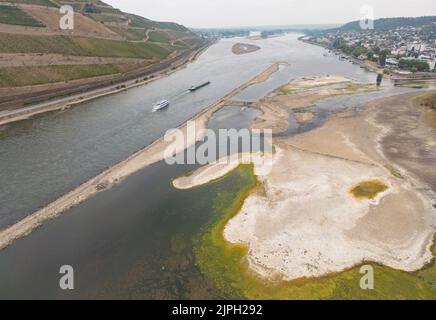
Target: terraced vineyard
[34, 75]
[30, 28]
[47, 3]
[15, 16]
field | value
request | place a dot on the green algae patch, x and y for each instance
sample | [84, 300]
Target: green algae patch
[226, 264]
[345, 88]
[217, 258]
[361, 88]
[368, 189]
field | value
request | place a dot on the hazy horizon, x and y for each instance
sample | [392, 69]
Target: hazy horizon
[227, 13]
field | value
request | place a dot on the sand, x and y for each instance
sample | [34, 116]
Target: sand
[305, 222]
[299, 95]
[303, 117]
[313, 82]
[243, 48]
[223, 166]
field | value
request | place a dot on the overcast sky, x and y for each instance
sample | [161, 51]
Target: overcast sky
[221, 13]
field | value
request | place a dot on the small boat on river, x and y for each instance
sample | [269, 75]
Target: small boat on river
[195, 88]
[161, 105]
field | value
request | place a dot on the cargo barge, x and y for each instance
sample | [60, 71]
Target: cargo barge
[195, 88]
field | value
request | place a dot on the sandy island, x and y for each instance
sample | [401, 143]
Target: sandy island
[305, 221]
[143, 158]
[221, 167]
[243, 48]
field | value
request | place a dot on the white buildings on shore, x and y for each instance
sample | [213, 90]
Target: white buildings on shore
[405, 42]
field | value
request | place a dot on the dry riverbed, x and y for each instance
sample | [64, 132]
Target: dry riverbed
[299, 95]
[358, 189]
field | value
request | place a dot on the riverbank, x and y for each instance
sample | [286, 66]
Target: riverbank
[367, 65]
[399, 78]
[309, 191]
[107, 89]
[147, 156]
[219, 169]
[226, 264]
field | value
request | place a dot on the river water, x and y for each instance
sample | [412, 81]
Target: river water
[135, 240]
[45, 157]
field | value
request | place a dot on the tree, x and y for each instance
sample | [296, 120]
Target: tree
[379, 79]
[90, 8]
[413, 65]
[357, 51]
[382, 57]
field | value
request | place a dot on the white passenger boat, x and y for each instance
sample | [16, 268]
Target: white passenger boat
[161, 105]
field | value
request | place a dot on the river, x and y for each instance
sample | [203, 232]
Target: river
[135, 240]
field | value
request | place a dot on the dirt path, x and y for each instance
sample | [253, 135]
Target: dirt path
[34, 59]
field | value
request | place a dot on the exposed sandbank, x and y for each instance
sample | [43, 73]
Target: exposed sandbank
[303, 117]
[312, 82]
[301, 94]
[243, 48]
[306, 223]
[223, 166]
[260, 37]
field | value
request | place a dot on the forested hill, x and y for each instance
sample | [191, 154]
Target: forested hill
[385, 24]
